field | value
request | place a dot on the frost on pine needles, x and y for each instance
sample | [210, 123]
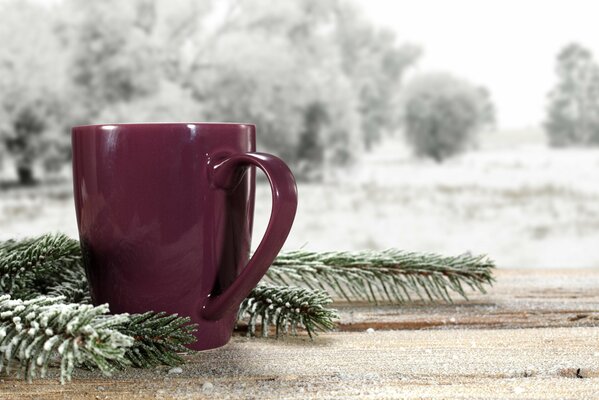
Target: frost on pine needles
[47, 319]
[31, 266]
[287, 307]
[391, 275]
[34, 332]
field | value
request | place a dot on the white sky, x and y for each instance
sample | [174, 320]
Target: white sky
[507, 45]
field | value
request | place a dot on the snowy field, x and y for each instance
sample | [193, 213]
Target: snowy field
[525, 205]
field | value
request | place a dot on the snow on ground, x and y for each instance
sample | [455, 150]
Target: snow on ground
[526, 206]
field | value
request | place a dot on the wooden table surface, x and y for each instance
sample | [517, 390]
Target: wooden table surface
[534, 335]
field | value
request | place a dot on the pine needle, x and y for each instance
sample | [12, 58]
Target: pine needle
[47, 317]
[29, 267]
[392, 275]
[158, 338]
[33, 332]
[287, 307]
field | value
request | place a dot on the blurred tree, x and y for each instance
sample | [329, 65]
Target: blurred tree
[275, 63]
[573, 111]
[112, 59]
[442, 114]
[125, 65]
[316, 77]
[375, 64]
[271, 63]
[33, 87]
[311, 149]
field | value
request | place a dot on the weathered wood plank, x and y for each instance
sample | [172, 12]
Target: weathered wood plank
[519, 299]
[559, 358]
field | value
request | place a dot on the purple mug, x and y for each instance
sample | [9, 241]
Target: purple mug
[165, 215]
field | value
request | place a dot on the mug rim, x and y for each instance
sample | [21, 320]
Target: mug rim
[123, 124]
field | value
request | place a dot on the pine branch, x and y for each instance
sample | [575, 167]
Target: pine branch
[158, 338]
[392, 274]
[72, 286]
[284, 307]
[33, 331]
[31, 266]
[52, 264]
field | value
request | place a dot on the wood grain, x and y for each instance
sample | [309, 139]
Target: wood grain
[534, 335]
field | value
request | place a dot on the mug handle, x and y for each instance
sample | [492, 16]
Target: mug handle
[284, 205]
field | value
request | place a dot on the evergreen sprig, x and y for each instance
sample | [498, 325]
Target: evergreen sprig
[158, 338]
[31, 266]
[47, 317]
[47, 271]
[73, 285]
[33, 331]
[287, 307]
[393, 275]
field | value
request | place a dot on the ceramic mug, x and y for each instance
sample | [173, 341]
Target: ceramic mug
[165, 216]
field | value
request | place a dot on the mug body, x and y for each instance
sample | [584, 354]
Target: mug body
[155, 233]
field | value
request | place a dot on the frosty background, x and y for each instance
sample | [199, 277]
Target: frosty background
[442, 126]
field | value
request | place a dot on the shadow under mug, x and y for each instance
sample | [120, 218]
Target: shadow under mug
[165, 215]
